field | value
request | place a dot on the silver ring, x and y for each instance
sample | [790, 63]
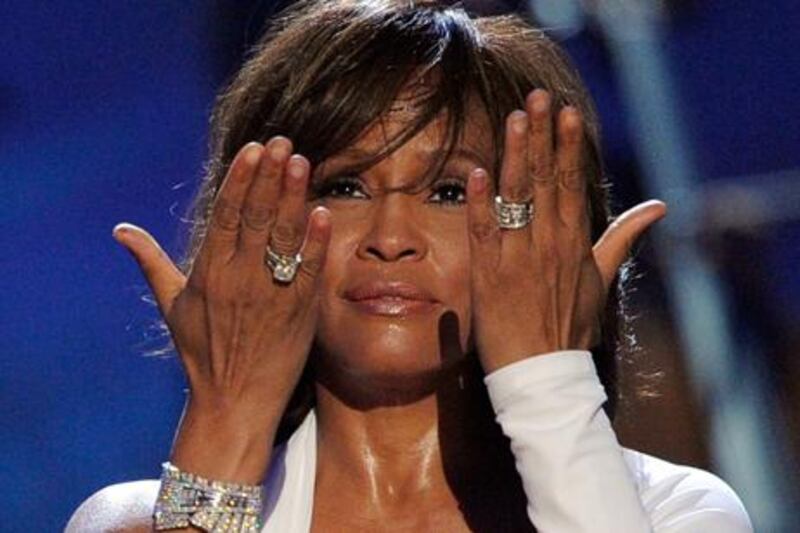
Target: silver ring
[512, 215]
[284, 267]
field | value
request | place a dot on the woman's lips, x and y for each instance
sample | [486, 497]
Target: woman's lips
[390, 298]
[393, 306]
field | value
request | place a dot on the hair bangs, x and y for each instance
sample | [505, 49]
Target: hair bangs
[415, 65]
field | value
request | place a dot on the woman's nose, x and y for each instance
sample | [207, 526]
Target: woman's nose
[393, 231]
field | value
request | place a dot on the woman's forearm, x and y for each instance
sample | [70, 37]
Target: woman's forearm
[577, 477]
[567, 454]
[232, 445]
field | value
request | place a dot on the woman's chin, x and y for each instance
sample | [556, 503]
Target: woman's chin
[380, 373]
[389, 364]
[369, 355]
[365, 389]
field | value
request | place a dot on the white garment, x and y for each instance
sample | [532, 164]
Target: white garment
[577, 477]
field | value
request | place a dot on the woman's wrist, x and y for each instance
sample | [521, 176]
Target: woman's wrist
[232, 444]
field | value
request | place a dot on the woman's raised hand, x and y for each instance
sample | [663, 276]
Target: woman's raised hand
[242, 337]
[542, 288]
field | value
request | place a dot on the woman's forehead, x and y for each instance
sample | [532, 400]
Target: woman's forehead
[431, 143]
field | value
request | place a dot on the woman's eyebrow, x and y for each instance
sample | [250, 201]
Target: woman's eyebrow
[352, 158]
[460, 153]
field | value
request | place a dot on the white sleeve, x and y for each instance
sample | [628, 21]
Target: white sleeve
[573, 469]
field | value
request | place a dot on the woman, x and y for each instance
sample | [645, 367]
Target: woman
[359, 381]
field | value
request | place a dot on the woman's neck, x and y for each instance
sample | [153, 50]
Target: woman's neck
[433, 451]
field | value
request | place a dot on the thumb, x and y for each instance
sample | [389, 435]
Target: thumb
[614, 245]
[164, 278]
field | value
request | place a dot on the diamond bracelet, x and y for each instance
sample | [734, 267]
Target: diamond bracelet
[186, 499]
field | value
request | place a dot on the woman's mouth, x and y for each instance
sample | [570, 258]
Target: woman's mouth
[390, 298]
[393, 306]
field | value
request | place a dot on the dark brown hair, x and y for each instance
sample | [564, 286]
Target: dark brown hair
[327, 70]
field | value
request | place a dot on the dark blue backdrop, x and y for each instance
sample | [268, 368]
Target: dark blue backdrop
[103, 113]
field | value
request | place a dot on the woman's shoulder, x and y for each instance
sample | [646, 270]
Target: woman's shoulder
[124, 507]
[677, 496]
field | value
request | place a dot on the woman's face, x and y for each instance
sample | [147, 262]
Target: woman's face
[399, 254]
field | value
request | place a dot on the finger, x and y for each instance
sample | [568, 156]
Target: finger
[616, 242]
[484, 234]
[261, 204]
[569, 171]
[315, 247]
[515, 184]
[223, 230]
[289, 228]
[163, 277]
[540, 158]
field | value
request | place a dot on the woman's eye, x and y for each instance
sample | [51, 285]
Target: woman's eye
[340, 188]
[451, 192]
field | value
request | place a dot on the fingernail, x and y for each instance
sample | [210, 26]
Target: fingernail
[541, 101]
[278, 150]
[519, 121]
[571, 114]
[478, 180]
[120, 229]
[253, 154]
[322, 216]
[571, 123]
[296, 168]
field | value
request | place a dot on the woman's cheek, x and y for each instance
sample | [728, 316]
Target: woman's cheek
[339, 254]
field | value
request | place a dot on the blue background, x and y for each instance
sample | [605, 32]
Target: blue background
[103, 118]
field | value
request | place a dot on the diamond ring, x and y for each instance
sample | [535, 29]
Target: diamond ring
[284, 267]
[512, 215]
